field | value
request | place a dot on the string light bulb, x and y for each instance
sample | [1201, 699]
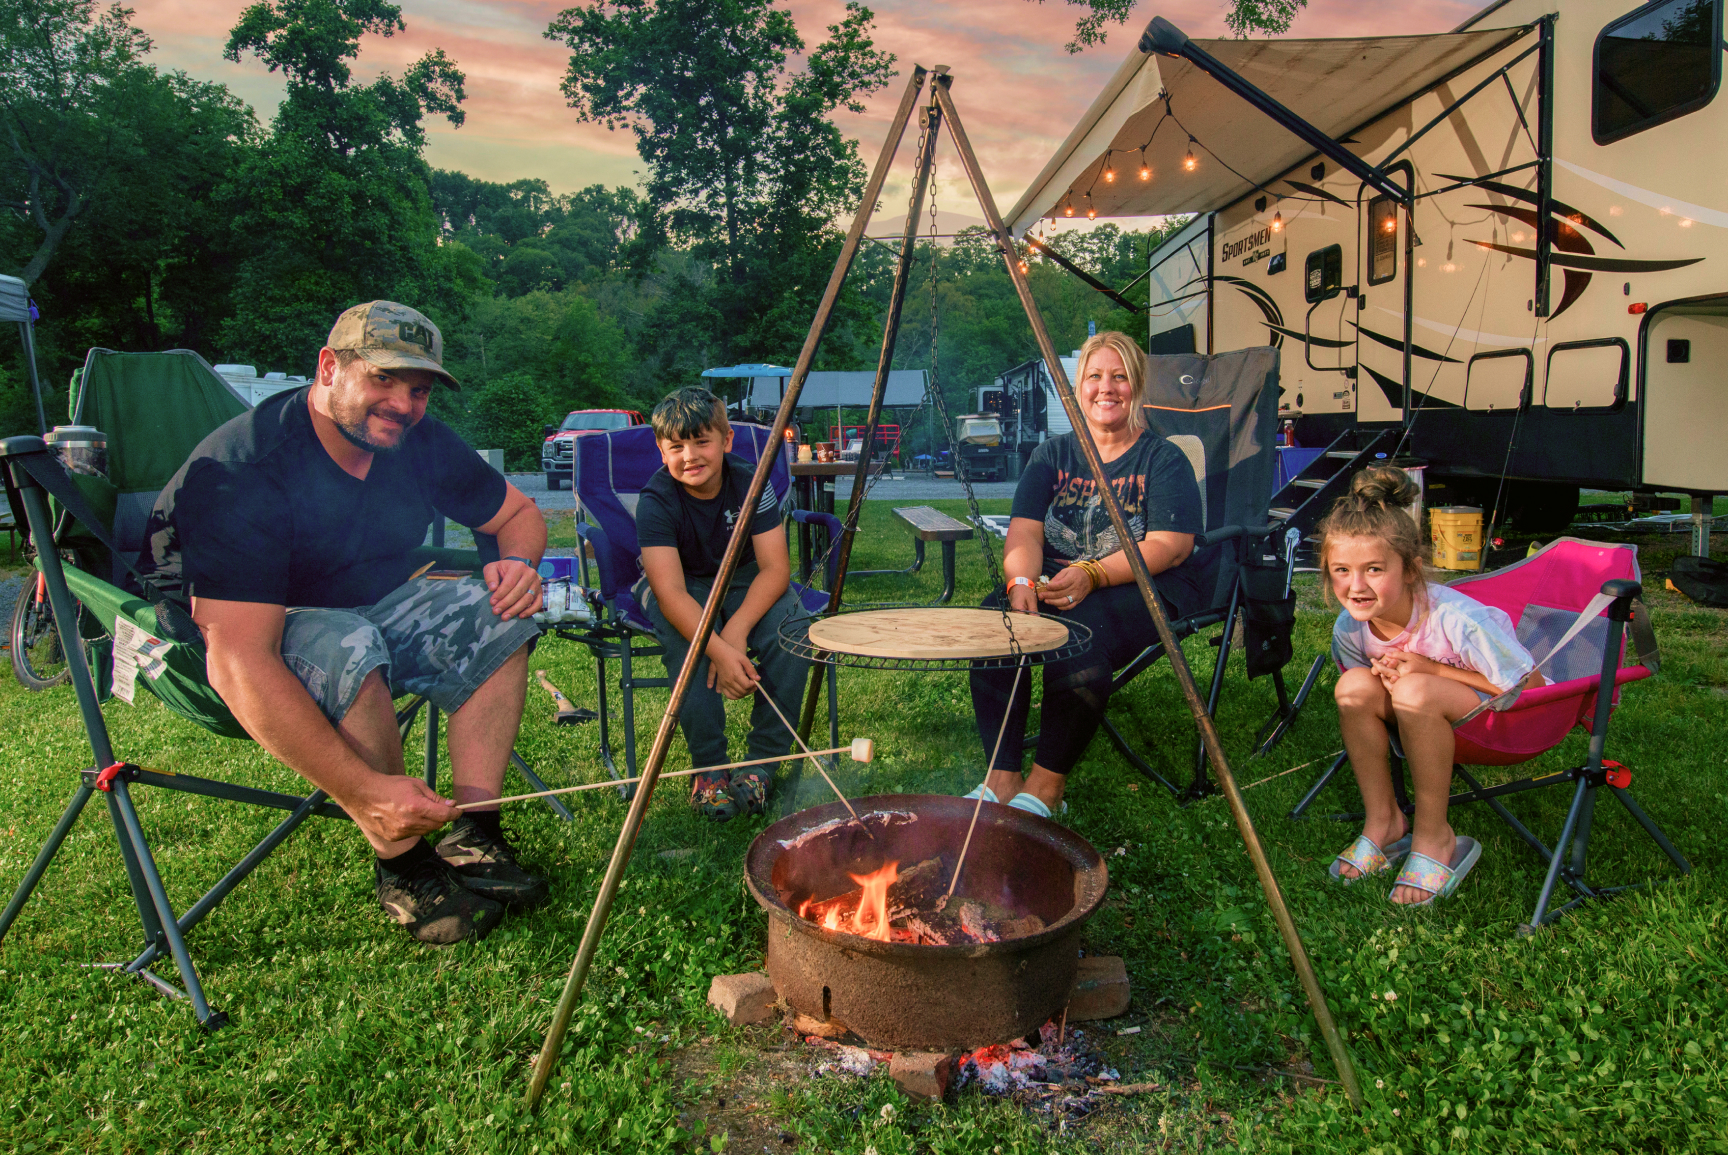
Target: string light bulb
[1189, 162]
[1109, 169]
[1277, 221]
[1145, 169]
[1091, 209]
[1068, 205]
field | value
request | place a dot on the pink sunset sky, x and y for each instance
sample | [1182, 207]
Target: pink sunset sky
[1018, 90]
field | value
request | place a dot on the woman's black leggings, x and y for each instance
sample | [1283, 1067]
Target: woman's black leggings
[1076, 690]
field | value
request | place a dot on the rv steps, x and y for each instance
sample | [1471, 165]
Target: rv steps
[1306, 497]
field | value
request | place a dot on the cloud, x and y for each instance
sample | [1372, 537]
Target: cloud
[1017, 90]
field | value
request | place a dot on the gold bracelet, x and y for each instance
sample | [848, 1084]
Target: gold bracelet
[1095, 571]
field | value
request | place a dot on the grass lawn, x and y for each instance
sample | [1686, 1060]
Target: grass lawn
[1605, 1032]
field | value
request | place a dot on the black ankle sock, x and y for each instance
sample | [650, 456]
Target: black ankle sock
[486, 821]
[409, 859]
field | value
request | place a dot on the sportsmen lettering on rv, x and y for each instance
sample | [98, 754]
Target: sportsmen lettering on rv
[1255, 245]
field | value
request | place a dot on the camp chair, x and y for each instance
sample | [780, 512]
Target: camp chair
[1572, 601]
[156, 408]
[1221, 411]
[609, 473]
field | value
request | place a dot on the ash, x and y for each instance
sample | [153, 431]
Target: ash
[886, 818]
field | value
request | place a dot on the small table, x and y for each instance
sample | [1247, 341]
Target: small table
[807, 494]
[928, 524]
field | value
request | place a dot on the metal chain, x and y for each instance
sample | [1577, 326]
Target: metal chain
[941, 403]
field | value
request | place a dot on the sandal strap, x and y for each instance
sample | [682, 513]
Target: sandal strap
[1365, 855]
[1424, 873]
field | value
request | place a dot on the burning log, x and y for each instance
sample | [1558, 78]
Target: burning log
[894, 906]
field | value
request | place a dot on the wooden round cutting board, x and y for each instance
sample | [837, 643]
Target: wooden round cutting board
[935, 632]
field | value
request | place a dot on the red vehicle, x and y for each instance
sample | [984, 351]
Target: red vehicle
[558, 452]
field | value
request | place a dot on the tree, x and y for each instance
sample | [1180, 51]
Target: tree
[1245, 18]
[335, 206]
[89, 128]
[745, 169]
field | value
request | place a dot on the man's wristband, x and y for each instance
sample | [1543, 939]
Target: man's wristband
[524, 561]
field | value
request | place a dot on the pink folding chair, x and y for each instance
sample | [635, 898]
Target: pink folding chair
[1572, 601]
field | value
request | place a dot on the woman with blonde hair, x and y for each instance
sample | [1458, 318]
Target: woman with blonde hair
[1059, 529]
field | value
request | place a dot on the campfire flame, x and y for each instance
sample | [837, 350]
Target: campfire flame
[875, 902]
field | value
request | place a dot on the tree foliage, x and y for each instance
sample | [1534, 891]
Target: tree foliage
[1244, 18]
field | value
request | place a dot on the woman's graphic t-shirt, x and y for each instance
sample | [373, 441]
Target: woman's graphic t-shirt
[1456, 631]
[1153, 482]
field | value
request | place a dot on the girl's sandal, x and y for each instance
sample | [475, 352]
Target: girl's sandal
[1438, 879]
[1368, 858]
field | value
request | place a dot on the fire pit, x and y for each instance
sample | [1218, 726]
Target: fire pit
[991, 964]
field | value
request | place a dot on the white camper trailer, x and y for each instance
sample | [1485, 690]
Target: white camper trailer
[1503, 250]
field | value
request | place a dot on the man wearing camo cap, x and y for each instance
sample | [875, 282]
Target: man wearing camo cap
[290, 527]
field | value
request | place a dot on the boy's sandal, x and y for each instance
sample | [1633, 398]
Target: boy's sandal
[1368, 857]
[750, 788]
[1438, 879]
[711, 796]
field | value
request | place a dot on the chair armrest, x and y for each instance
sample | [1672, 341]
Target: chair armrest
[590, 535]
[1229, 533]
[1579, 688]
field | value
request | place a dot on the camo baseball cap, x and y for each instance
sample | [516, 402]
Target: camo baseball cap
[392, 336]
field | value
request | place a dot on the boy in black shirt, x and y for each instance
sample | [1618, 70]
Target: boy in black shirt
[684, 520]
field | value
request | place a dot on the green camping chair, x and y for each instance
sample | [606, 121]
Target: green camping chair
[155, 409]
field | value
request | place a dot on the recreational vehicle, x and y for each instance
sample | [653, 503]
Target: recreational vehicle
[1502, 251]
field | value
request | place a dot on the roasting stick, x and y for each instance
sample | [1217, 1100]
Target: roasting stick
[822, 770]
[979, 805]
[861, 750]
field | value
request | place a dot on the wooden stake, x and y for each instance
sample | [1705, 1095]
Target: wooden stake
[861, 750]
[1149, 595]
[608, 892]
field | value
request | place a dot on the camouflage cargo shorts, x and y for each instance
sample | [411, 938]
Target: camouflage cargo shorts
[436, 637]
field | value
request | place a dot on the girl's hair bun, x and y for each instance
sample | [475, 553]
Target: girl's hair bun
[1386, 486]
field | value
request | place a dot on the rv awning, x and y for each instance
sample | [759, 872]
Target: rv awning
[829, 388]
[1336, 85]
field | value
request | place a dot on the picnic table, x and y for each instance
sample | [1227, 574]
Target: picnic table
[813, 489]
[928, 524]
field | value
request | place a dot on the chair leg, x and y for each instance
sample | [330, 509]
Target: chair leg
[1135, 761]
[1650, 828]
[1319, 785]
[1288, 708]
[833, 705]
[1557, 860]
[1478, 794]
[627, 708]
[168, 927]
[605, 717]
[1200, 786]
[431, 746]
[534, 783]
[195, 914]
[43, 858]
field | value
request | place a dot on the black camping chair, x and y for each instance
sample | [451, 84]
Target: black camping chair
[1221, 411]
[156, 407]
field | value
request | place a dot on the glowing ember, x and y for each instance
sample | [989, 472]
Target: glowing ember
[874, 905]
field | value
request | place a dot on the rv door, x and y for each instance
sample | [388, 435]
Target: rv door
[1328, 343]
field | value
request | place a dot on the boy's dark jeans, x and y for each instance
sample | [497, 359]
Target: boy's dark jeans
[703, 717]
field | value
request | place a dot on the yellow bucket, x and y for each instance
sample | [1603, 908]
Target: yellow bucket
[1457, 534]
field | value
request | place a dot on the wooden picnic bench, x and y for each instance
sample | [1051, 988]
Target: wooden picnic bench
[928, 524]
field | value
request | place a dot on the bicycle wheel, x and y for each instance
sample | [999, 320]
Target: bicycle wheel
[37, 659]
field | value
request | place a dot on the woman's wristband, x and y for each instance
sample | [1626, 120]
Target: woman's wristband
[1021, 580]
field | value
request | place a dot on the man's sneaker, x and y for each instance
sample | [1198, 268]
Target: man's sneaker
[487, 865]
[429, 900]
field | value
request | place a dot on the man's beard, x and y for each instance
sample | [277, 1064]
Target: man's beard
[350, 417]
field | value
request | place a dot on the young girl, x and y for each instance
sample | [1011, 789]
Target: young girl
[1415, 655]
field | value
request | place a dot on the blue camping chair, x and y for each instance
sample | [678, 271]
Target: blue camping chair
[609, 473]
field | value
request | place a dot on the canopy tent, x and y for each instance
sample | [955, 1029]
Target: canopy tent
[828, 390]
[14, 300]
[1336, 85]
[752, 369]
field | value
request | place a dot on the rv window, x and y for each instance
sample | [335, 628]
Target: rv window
[1382, 241]
[1323, 273]
[1586, 375]
[1498, 382]
[1660, 62]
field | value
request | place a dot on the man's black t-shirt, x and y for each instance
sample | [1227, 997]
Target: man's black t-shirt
[667, 515]
[1155, 485]
[261, 513]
